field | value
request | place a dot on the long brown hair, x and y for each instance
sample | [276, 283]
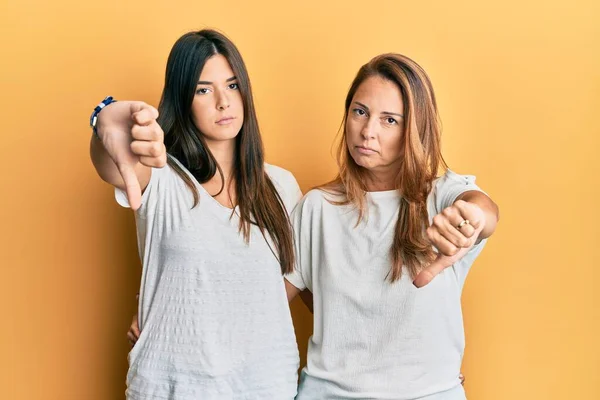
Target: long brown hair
[258, 201]
[421, 158]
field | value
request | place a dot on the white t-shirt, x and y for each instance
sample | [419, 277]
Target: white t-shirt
[374, 339]
[213, 312]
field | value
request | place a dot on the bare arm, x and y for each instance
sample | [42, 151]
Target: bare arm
[291, 290]
[306, 296]
[131, 142]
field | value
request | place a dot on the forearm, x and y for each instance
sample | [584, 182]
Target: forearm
[489, 208]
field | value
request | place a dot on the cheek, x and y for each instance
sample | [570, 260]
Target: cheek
[353, 128]
[200, 114]
[390, 145]
[237, 98]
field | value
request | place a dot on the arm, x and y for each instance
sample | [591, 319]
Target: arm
[471, 218]
[291, 290]
[306, 296]
[131, 142]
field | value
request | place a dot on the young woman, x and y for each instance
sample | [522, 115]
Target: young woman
[213, 232]
[387, 311]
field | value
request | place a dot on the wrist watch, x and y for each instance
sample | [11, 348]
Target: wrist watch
[94, 117]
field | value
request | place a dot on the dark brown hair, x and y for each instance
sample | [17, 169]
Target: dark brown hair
[258, 201]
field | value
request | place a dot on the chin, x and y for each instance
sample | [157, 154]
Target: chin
[362, 160]
[225, 134]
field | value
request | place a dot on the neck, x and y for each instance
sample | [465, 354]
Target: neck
[378, 181]
[224, 153]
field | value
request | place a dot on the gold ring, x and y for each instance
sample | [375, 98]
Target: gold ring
[463, 223]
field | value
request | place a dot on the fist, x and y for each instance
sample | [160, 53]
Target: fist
[453, 232]
[456, 228]
[131, 136]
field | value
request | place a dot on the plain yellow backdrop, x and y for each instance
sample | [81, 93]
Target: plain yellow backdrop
[518, 85]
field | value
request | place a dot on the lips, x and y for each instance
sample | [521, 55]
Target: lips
[225, 120]
[365, 150]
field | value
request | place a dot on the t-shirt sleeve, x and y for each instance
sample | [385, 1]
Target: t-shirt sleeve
[149, 193]
[286, 185]
[450, 186]
[293, 194]
[301, 276]
[446, 190]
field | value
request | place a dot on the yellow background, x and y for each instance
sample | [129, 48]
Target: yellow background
[518, 84]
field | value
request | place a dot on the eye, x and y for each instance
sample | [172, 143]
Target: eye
[359, 111]
[391, 121]
[202, 91]
[234, 86]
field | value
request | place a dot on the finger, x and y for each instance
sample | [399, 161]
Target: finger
[148, 149]
[135, 329]
[427, 275]
[455, 218]
[443, 245]
[438, 265]
[142, 113]
[444, 225]
[462, 379]
[155, 162]
[150, 132]
[467, 230]
[131, 339]
[470, 212]
[132, 185]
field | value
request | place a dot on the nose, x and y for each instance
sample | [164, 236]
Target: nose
[222, 101]
[368, 130]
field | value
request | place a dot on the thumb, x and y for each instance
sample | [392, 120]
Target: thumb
[438, 265]
[427, 275]
[132, 185]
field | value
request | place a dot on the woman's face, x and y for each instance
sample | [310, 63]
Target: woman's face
[374, 126]
[217, 108]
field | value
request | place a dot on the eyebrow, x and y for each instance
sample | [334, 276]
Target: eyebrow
[383, 112]
[233, 78]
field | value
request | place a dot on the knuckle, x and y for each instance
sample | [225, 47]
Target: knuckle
[134, 146]
[141, 116]
[157, 132]
[135, 131]
[430, 233]
[461, 203]
[449, 250]
[155, 149]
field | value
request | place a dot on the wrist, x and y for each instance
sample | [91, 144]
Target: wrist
[95, 117]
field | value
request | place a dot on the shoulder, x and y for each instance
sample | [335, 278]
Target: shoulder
[317, 199]
[447, 188]
[451, 178]
[280, 176]
[286, 185]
